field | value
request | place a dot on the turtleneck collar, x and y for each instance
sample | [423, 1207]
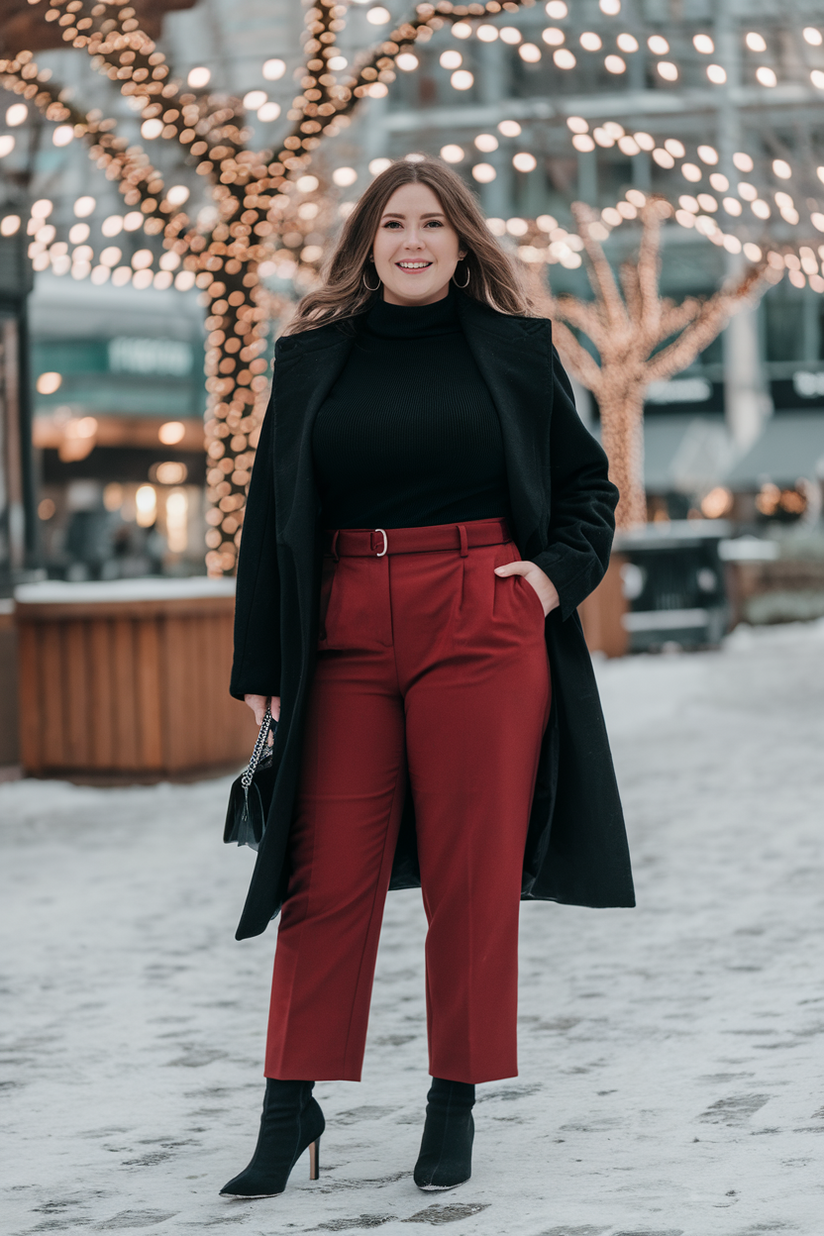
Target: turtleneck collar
[389, 321]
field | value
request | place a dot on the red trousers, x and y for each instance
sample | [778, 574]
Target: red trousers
[431, 663]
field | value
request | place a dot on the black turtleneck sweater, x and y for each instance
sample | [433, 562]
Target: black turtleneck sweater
[409, 435]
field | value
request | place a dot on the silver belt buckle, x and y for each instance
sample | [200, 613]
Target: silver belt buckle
[385, 541]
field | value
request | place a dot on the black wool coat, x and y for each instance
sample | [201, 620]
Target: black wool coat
[562, 506]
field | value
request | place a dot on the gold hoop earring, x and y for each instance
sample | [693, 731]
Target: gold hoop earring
[462, 285]
[366, 285]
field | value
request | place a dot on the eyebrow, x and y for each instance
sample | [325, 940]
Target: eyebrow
[396, 214]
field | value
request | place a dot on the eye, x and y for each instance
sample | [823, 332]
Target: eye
[434, 223]
[392, 223]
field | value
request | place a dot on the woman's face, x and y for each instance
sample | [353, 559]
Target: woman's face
[415, 249]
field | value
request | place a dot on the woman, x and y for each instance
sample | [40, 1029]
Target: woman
[425, 514]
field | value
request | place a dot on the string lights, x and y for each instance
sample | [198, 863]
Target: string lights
[269, 214]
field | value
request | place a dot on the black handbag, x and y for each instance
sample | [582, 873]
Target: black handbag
[251, 793]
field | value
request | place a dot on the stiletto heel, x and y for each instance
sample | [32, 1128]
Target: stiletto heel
[314, 1160]
[291, 1121]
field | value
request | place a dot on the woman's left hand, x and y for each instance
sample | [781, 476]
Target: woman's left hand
[538, 579]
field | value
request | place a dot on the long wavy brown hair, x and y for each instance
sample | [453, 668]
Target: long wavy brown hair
[493, 279]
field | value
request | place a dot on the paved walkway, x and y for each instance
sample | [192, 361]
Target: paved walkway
[671, 1056]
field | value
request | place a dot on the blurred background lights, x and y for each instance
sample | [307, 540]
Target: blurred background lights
[406, 62]
[766, 76]
[376, 166]
[177, 195]
[782, 169]
[269, 112]
[658, 45]
[63, 134]
[142, 258]
[171, 472]
[6, 144]
[588, 40]
[461, 79]
[703, 44]
[200, 76]
[307, 184]
[110, 256]
[554, 37]
[78, 233]
[169, 261]
[524, 162]
[273, 69]
[150, 129]
[338, 63]
[577, 124]
[556, 9]
[48, 383]
[9, 225]
[717, 74]
[486, 142]
[378, 16]
[177, 520]
[627, 42]
[16, 114]
[253, 99]
[452, 154]
[509, 128]
[708, 154]
[755, 42]
[742, 161]
[484, 173]
[614, 64]
[112, 225]
[344, 176]
[530, 53]
[171, 433]
[667, 70]
[564, 58]
[511, 35]
[487, 33]
[450, 60]
[610, 8]
[133, 220]
[145, 501]
[461, 30]
[84, 206]
[813, 36]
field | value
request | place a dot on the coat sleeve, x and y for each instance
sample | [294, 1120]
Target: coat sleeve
[257, 661]
[583, 501]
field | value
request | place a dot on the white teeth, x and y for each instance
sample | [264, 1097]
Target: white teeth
[413, 265]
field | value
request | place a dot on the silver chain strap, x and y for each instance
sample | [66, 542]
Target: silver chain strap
[259, 748]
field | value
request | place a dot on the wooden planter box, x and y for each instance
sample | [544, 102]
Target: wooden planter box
[602, 613]
[128, 680]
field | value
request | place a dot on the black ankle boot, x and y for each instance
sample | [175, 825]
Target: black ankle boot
[291, 1121]
[446, 1149]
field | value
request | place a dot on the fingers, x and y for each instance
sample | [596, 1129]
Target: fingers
[274, 704]
[514, 568]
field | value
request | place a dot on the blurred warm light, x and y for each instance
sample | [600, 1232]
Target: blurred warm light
[48, 383]
[269, 112]
[719, 182]
[450, 60]
[667, 70]
[142, 279]
[452, 154]
[46, 508]
[517, 226]
[42, 208]
[6, 144]
[170, 472]
[16, 114]
[162, 280]
[133, 220]
[577, 124]
[707, 202]
[344, 176]
[610, 8]
[253, 99]
[146, 505]
[703, 44]
[717, 74]
[110, 256]
[376, 166]
[547, 223]
[589, 40]
[177, 519]
[378, 90]
[732, 206]
[817, 79]
[752, 251]
[627, 42]
[311, 253]
[484, 173]
[185, 280]
[509, 128]
[556, 9]
[9, 225]
[658, 45]
[45, 235]
[123, 275]
[555, 37]
[378, 16]
[142, 259]
[583, 142]
[461, 79]
[628, 145]
[200, 76]
[486, 142]
[564, 58]
[636, 197]
[171, 433]
[766, 76]
[782, 169]
[614, 64]
[708, 154]
[496, 226]
[100, 275]
[112, 226]
[645, 140]
[150, 129]
[462, 30]
[84, 206]
[273, 69]
[716, 503]
[691, 171]
[510, 34]
[603, 137]
[742, 161]
[747, 191]
[177, 195]
[62, 135]
[524, 162]
[487, 33]
[812, 36]
[675, 148]
[338, 63]
[755, 42]
[113, 496]
[307, 184]
[406, 62]
[760, 209]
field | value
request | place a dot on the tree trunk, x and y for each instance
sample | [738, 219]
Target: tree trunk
[622, 432]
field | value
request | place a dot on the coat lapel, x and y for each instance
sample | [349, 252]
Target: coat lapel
[514, 356]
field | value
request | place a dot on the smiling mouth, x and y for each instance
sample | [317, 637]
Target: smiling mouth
[413, 265]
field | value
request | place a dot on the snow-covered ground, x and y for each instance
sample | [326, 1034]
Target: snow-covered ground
[671, 1056]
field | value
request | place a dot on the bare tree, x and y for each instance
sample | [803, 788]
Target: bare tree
[640, 337]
